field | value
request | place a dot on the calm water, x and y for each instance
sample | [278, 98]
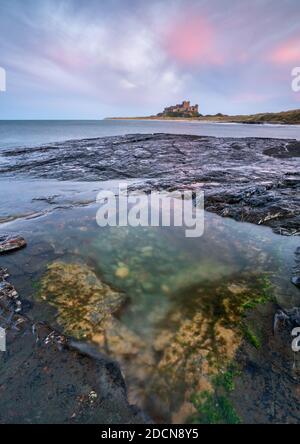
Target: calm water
[28, 133]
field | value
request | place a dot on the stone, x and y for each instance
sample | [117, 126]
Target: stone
[11, 243]
[69, 381]
[122, 272]
[84, 303]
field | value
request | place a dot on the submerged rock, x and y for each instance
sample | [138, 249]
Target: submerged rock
[122, 272]
[62, 380]
[88, 308]
[3, 274]
[291, 317]
[9, 297]
[83, 301]
[10, 243]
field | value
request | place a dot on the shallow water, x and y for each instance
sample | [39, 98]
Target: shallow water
[174, 286]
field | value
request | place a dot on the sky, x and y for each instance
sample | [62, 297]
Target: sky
[90, 59]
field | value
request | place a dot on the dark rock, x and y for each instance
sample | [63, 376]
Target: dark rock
[10, 243]
[57, 380]
[249, 179]
[296, 281]
[268, 391]
[290, 317]
[286, 151]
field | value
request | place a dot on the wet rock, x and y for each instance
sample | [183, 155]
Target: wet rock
[191, 348]
[10, 243]
[9, 297]
[291, 149]
[296, 270]
[267, 389]
[88, 308]
[290, 317]
[249, 179]
[3, 274]
[47, 199]
[61, 381]
[296, 281]
[83, 301]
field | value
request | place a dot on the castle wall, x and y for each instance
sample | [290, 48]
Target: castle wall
[184, 107]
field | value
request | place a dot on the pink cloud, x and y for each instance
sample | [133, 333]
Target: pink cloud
[288, 52]
[191, 40]
[66, 56]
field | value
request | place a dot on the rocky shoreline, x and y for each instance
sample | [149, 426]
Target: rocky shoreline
[251, 179]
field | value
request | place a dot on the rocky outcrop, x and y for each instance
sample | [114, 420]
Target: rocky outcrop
[251, 179]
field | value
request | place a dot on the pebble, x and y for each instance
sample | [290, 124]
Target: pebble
[122, 272]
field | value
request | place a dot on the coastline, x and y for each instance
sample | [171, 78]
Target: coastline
[281, 118]
[199, 120]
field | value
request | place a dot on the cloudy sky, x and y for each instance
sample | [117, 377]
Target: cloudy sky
[88, 59]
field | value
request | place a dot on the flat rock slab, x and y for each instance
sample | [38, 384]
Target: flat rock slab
[10, 243]
[249, 179]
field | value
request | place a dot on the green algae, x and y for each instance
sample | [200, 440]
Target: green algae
[225, 379]
[265, 295]
[251, 337]
[215, 407]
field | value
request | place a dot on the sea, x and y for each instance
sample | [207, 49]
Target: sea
[21, 133]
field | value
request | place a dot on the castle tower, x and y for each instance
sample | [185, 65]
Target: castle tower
[186, 104]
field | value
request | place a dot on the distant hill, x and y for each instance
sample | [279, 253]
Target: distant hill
[284, 117]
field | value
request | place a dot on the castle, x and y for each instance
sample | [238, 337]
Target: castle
[185, 109]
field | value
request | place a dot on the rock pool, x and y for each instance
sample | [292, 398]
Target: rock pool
[173, 311]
